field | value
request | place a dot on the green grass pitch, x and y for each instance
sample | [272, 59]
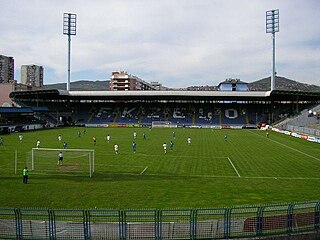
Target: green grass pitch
[247, 169]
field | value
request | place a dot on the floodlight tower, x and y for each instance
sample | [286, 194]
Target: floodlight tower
[69, 28]
[272, 26]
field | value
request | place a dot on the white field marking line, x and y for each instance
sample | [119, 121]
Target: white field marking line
[48, 173]
[306, 154]
[234, 167]
[144, 170]
[106, 165]
[168, 155]
[186, 156]
[212, 176]
[181, 156]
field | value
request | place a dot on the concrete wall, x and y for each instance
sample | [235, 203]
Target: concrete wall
[5, 90]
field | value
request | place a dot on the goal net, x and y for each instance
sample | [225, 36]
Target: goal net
[163, 124]
[75, 161]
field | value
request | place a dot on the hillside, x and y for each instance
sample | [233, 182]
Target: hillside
[282, 83]
[81, 85]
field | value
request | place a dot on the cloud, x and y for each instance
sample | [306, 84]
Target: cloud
[179, 43]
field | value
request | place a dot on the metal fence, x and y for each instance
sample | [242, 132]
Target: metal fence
[211, 223]
[302, 130]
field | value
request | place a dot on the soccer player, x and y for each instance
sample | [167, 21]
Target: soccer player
[144, 136]
[164, 145]
[267, 134]
[1, 141]
[174, 135]
[65, 145]
[189, 140]
[59, 138]
[108, 138]
[25, 175]
[94, 141]
[20, 138]
[225, 137]
[116, 148]
[38, 143]
[134, 134]
[84, 131]
[134, 147]
[79, 134]
[171, 145]
[60, 160]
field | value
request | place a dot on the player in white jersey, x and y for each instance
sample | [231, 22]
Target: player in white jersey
[59, 138]
[38, 143]
[108, 138]
[20, 138]
[116, 148]
[134, 134]
[60, 160]
[164, 145]
[189, 140]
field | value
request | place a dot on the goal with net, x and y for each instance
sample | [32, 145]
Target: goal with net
[75, 161]
[163, 124]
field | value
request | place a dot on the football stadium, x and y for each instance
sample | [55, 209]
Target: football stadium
[189, 164]
[137, 160]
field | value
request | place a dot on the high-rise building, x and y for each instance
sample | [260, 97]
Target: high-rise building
[122, 81]
[32, 75]
[6, 69]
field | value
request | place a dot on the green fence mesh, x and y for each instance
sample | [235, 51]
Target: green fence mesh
[211, 223]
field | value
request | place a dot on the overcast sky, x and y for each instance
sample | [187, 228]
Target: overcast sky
[176, 42]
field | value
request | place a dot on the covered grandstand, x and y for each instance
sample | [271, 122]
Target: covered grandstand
[183, 108]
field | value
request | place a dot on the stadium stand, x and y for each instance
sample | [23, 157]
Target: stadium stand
[306, 122]
[182, 108]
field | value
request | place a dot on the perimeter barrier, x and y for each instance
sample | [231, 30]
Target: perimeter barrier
[211, 223]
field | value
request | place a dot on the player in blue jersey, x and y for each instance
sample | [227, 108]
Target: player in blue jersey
[134, 147]
[171, 145]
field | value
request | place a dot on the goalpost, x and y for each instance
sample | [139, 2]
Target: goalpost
[163, 124]
[74, 160]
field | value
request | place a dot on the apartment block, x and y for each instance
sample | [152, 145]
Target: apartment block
[6, 69]
[32, 75]
[122, 81]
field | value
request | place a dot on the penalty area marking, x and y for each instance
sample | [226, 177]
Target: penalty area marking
[145, 169]
[234, 167]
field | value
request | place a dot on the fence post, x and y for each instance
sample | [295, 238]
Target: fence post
[54, 226]
[156, 225]
[122, 225]
[317, 217]
[290, 218]
[156, 234]
[50, 217]
[195, 223]
[87, 229]
[17, 213]
[159, 224]
[227, 222]
[259, 227]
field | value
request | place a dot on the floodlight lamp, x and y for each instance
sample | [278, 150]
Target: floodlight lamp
[69, 24]
[272, 21]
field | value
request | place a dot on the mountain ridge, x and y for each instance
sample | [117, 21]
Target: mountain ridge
[263, 84]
